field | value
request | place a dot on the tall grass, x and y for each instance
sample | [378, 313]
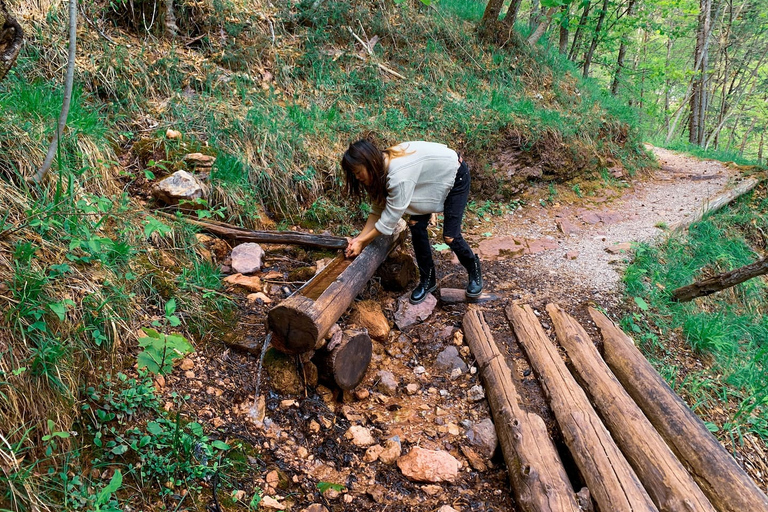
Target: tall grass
[728, 329]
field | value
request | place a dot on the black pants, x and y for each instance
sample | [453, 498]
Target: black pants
[453, 214]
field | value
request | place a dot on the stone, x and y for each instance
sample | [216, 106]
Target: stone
[372, 453]
[455, 373]
[474, 458]
[271, 503]
[315, 507]
[619, 248]
[387, 383]
[412, 388]
[187, 364]
[172, 134]
[259, 298]
[392, 450]
[566, 227]
[447, 508]
[199, 160]
[250, 283]
[359, 436]
[431, 489]
[408, 314]
[482, 436]
[433, 466]
[369, 314]
[590, 217]
[476, 393]
[247, 258]
[179, 186]
[449, 359]
[302, 452]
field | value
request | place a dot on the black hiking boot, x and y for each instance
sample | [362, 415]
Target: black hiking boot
[475, 283]
[427, 284]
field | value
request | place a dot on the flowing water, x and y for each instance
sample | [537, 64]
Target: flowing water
[258, 409]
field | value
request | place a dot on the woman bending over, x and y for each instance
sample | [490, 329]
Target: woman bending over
[418, 178]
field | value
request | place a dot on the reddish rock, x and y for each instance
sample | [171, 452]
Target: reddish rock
[247, 257]
[359, 436]
[492, 249]
[590, 217]
[409, 314]
[566, 227]
[541, 245]
[610, 217]
[251, 283]
[368, 314]
[619, 248]
[422, 465]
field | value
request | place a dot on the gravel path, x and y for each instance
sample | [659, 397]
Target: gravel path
[584, 239]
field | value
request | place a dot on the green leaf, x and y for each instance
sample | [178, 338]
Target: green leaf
[120, 449]
[711, 426]
[195, 428]
[146, 360]
[154, 428]
[324, 486]
[641, 303]
[220, 445]
[170, 307]
[112, 487]
[441, 247]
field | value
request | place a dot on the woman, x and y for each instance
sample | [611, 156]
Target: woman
[418, 178]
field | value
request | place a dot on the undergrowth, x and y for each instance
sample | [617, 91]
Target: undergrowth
[727, 330]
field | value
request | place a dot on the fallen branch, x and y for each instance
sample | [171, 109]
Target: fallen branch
[238, 234]
[716, 203]
[721, 281]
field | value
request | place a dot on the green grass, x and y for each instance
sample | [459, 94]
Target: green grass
[710, 154]
[728, 329]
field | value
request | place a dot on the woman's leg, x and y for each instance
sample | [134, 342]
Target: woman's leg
[420, 239]
[453, 215]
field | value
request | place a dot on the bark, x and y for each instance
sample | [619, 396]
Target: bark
[68, 84]
[595, 39]
[299, 323]
[721, 281]
[171, 29]
[542, 27]
[668, 483]
[536, 473]
[239, 234]
[577, 36]
[609, 477]
[11, 39]
[723, 481]
[760, 148]
[622, 55]
[746, 136]
[511, 16]
[698, 100]
[490, 21]
[563, 46]
[345, 361]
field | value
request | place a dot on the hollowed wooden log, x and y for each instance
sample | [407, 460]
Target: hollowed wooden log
[346, 360]
[299, 323]
[610, 479]
[668, 483]
[728, 487]
[537, 475]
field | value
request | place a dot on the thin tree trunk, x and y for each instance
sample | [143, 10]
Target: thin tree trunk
[535, 18]
[511, 16]
[733, 132]
[577, 36]
[760, 148]
[622, 54]
[746, 137]
[566, 10]
[595, 39]
[667, 85]
[171, 29]
[698, 100]
[489, 22]
[68, 83]
[543, 25]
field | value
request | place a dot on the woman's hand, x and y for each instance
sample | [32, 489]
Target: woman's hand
[354, 247]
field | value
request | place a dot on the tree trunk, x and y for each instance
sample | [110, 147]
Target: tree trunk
[622, 54]
[563, 47]
[490, 21]
[666, 480]
[667, 85]
[721, 281]
[299, 323]
[746, 137]
[760, 148]
[575, 45]
[698, 101]
[345, 361]
[610, 479]
[726, 485]
[537, 475]
[171, 29]
[595, 39]
[511, 16]
[11, 39]
[543, 25]
[535, 18]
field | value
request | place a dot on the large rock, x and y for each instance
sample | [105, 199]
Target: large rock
[179, 186]
[397, 271]
[250, 283]
[360, 436]
[422, 465]
[410, 314]
[247, 258]
[449, 360]
[368, 314]
[482, 436]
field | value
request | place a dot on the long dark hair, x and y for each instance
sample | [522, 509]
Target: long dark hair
[364, 153]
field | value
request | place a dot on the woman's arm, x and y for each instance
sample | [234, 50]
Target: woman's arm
[366, 236]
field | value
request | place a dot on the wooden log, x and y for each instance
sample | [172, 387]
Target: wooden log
[457, 295]
[668, 483]
[344, 361]
[537, 475]
[610, 479]
[728, 487]
[239, 234]
[299, 323]
[721, 281]
[716, 203]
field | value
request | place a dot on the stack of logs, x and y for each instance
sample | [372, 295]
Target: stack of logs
[635, 442]
[305, 323]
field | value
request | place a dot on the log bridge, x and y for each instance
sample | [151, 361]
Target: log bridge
[300, 323]
[636, 444]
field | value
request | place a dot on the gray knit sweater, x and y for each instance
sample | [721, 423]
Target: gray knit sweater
[417, 183]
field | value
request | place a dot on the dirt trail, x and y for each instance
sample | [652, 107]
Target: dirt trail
[303, 439]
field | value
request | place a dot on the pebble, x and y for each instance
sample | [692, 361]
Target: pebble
[360, 436]
[455, 373]
[419, 370]
[412, 388]
[476, 393]
[387, 383]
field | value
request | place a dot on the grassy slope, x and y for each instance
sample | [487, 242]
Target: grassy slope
[275, 93]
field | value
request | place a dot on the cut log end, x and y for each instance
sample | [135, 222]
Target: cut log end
[293, 331]
[346, 363]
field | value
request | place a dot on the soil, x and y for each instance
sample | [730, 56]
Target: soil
[526, 258]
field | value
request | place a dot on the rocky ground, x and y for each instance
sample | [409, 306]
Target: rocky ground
[416, 434]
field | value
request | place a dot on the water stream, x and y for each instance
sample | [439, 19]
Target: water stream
[258, 409]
